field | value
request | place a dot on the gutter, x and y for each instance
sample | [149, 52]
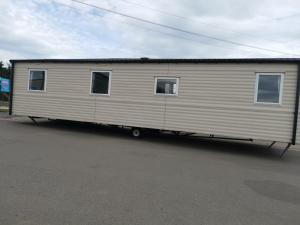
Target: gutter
[145, 60]
[296, 112]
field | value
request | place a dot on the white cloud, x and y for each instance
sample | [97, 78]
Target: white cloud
[45, 29]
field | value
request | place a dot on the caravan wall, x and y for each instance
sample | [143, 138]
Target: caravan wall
[217, 99]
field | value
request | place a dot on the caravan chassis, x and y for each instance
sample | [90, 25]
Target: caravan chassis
[138, 132]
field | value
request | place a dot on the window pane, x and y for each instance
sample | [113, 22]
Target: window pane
[37, 80]
[166, 86]
[268, 88]
[100, 82]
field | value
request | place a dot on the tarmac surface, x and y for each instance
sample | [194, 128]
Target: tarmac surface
[83, 174]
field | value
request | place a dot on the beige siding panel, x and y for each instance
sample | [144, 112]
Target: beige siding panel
[238, 123]
[213, 98]
[61, 108]
[131, 114]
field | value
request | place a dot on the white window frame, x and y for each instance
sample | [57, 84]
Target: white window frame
[29, 76]
[166, 78]
[280, 91]
[109, 82]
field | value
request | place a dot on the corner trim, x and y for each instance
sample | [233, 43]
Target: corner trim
[296, 112]
[11, 88]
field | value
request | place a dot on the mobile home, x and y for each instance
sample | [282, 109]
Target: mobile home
[235, 98]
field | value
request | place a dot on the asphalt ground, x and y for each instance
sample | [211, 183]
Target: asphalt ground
[60, 172]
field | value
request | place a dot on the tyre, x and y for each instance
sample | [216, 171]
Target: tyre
[136, 132]
[177, 133]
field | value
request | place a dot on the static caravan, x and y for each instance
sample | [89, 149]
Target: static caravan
[235, 98]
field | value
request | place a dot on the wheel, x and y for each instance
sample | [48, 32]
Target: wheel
[136, 132]
[177, 133]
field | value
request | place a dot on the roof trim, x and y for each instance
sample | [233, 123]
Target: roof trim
[148, 60]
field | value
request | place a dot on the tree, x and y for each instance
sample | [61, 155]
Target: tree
[5, 71]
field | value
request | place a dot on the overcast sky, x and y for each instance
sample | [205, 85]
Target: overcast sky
[65, 29]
